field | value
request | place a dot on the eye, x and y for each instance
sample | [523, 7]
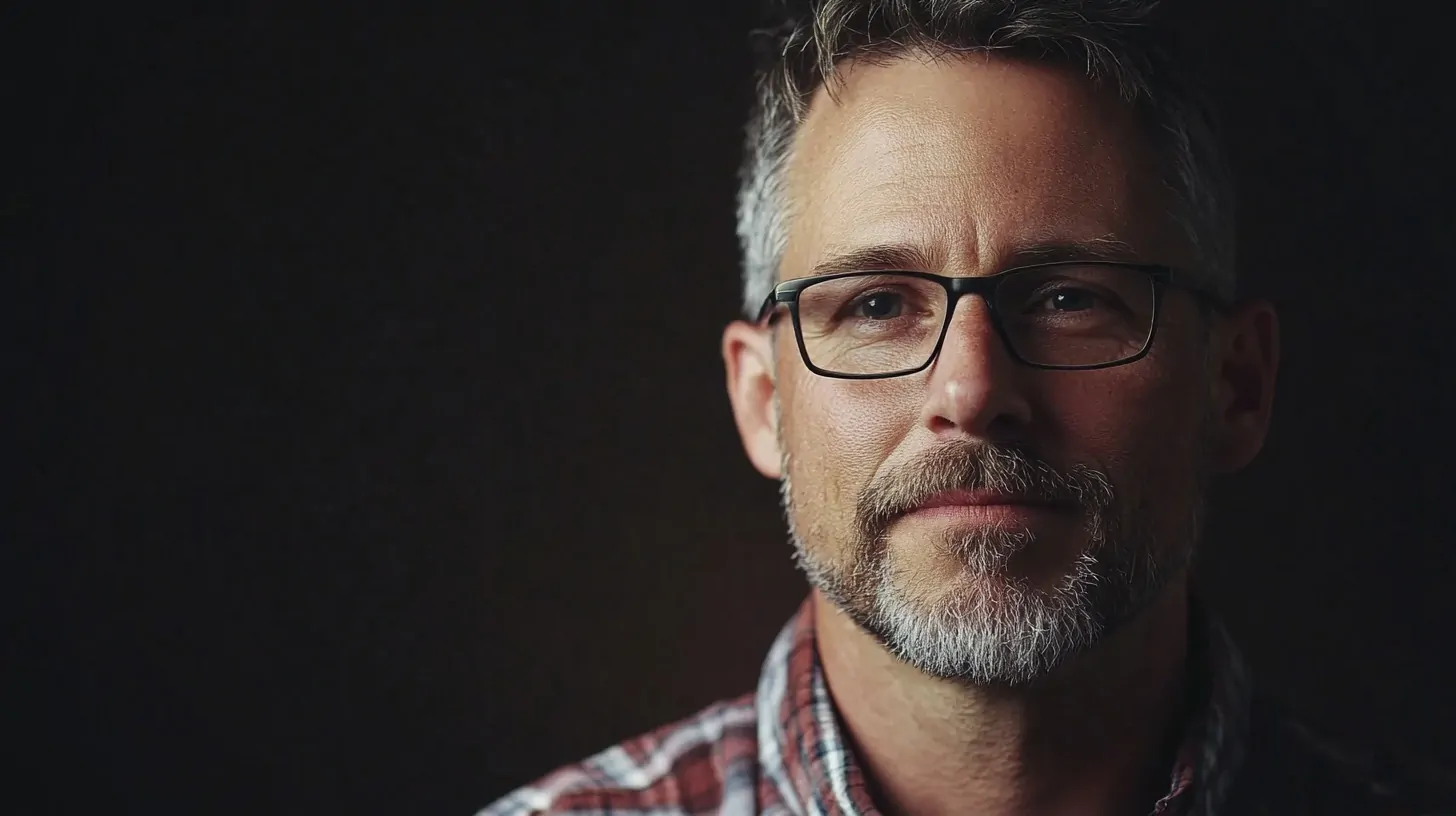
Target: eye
[1069, 300]
[878, 306]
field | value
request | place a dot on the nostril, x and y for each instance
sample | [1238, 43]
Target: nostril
[940, 425]
[1003, 428]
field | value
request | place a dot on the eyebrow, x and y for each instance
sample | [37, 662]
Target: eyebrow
[908, 257]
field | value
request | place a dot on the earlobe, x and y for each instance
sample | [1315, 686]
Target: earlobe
[748, 363]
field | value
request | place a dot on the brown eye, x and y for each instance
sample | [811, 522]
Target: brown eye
[1070, 300]
[879, 306]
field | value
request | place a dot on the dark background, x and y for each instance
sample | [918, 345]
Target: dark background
[373, 455]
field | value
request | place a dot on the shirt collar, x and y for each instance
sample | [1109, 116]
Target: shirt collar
[804, 755]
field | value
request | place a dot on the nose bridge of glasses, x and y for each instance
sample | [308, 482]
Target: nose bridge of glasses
[970, 319]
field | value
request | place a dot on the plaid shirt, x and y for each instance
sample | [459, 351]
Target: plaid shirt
[780, 751]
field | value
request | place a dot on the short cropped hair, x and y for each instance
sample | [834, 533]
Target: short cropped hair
[1121, 44]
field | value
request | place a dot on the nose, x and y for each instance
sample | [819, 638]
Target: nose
[975, 387]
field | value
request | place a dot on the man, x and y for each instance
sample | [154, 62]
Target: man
[993, 353]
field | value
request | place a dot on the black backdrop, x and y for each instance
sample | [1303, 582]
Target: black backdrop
[372, 446]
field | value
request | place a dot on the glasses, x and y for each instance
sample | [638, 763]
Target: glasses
[1066, 315]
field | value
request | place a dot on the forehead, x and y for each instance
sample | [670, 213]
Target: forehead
[969, 159]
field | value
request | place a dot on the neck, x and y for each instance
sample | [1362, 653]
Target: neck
[1094, 738]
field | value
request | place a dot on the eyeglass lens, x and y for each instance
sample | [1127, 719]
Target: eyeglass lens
[1064, 315]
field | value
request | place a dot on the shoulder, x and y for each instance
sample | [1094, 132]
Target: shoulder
[1293, 767]
[706, 763]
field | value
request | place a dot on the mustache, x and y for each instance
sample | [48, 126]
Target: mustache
[978, 466]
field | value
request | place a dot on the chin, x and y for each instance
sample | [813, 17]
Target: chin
[990, 629]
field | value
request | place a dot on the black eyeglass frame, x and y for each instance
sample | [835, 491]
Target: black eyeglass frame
[786, 294]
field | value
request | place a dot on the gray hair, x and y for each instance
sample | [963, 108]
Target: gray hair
[1110, 41]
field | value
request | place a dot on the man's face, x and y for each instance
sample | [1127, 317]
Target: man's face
[1093, 478]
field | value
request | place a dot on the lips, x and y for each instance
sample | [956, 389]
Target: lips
[977, 498]
[987, 500]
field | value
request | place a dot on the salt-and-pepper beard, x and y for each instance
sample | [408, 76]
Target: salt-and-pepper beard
[992, 627]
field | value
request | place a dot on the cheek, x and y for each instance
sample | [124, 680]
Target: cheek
[838, 433]
[1142, 423]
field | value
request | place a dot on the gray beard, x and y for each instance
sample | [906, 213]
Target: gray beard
[988, 627]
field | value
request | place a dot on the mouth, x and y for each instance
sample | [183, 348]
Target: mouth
[986, 505]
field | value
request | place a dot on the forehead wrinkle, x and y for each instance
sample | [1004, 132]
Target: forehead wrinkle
[922, 161]
[896, 198]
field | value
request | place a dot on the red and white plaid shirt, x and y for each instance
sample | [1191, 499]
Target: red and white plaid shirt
[780, 752]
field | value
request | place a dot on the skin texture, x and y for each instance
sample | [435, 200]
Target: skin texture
[969, 161]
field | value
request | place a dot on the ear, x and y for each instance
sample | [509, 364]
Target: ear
[748, 358]
[1246, 345]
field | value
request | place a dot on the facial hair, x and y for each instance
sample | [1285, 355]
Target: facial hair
[989, 626]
